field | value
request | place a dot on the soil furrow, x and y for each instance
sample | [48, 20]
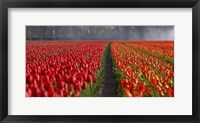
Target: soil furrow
[110, 85]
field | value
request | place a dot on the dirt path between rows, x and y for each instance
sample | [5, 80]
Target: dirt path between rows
[109, 88]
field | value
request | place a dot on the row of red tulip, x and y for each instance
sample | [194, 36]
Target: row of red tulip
[163, 48]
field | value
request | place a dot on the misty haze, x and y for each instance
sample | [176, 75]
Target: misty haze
[100, 32]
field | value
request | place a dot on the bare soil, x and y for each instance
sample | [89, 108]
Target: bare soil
[110, 85]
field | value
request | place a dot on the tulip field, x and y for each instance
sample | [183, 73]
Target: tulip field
[144, 68]
[77, 68]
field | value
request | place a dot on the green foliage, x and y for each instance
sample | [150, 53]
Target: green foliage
[93, 91]
[123, 57]
[155, 92]
[143, 78]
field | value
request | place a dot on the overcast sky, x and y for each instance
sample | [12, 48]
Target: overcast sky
[100, 32]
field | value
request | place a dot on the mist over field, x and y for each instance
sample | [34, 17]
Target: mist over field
[100, 32]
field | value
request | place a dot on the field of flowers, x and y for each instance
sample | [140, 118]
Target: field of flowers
[76, 68]
[62, 68]
[144, 68]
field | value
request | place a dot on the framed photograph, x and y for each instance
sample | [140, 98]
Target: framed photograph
[99, 61]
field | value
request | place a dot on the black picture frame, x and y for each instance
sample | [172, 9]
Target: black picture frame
[5, 4]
